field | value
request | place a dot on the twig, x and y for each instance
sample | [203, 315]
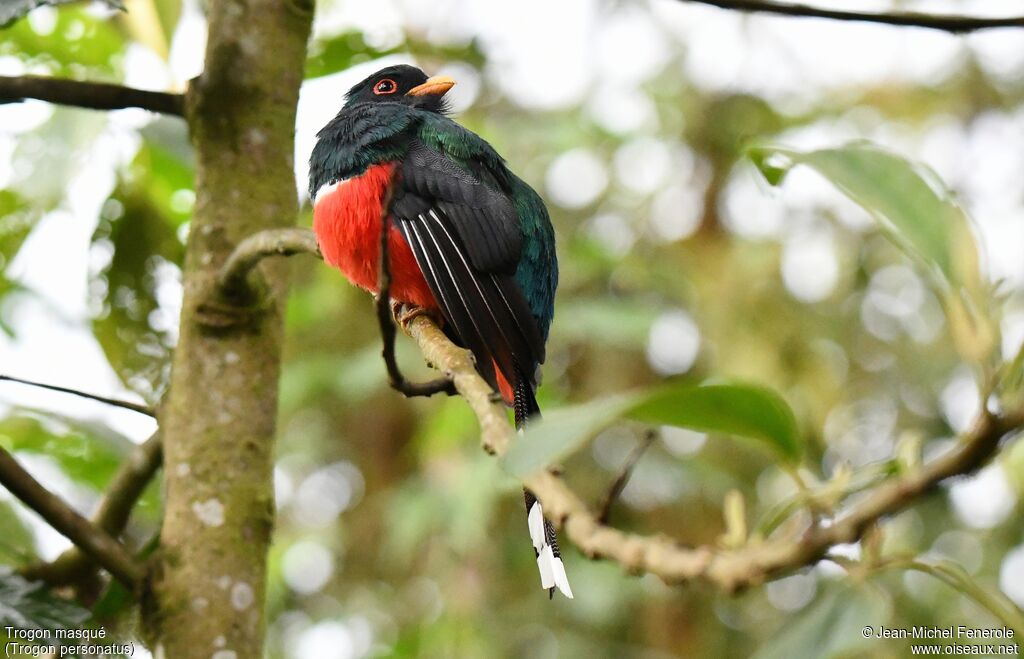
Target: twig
[728, 569]
[92, 540]
[123, 492]
[945, 22]
[134, 407]
[627, 469]
[234, 276]
[92, 95]
[385, 318]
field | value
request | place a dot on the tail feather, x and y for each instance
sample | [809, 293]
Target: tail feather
[542, 532]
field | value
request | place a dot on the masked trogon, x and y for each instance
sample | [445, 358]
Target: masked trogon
[469, 241]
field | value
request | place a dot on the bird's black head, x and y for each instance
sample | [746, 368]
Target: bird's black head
[402, 84]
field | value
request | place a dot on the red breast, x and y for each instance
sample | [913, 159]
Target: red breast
[346, 220]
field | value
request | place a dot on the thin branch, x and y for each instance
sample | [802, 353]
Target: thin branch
[128, 484]
[123, 492]
[234, 276]
[627, 469]
[93, 541]
[385, 319]
[728, 569]
[92, 95]
[134, 407]
[945, 22]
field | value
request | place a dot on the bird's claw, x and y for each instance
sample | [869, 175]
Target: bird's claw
[405, 313]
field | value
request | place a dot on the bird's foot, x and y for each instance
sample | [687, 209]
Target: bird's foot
[404, 313]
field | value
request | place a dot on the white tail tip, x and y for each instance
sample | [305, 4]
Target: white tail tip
[552, 571]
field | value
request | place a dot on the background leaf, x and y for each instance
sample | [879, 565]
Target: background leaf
[29, 605]
[139, 229]
[831, 626]
[742, 410]
[95, 53]
[12, 10]
[907, 199]
[86, 457]
[17, 541]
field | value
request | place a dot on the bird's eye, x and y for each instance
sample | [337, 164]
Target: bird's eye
[385, 86]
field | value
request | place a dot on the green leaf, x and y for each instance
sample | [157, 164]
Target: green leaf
[917, 212]
[139, 225]
[831, 626]
[744, 410]
[907, 199]
[28, 605]
[12, 10]
[90, 459]
[738, 409]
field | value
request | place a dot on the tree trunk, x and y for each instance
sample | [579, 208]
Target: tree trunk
[218, 421]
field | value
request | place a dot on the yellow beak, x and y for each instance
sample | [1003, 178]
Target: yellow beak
[435, 86]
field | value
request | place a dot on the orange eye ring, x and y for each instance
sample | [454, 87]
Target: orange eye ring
[384, 87]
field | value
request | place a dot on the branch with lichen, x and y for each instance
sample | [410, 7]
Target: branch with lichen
[729, 569]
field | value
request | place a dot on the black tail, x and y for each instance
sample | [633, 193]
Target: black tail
[525, 403]
[542, 532]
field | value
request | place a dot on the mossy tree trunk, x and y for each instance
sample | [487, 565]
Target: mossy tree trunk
[218, 422]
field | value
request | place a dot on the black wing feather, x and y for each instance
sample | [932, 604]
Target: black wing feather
[483, 217]
[453, 305]
[466, 238]
[511, 347]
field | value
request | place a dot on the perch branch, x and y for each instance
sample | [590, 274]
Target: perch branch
[728, 569]
[945, 22]
[234, 276]
[92, 540]
[134, 407]
[125, 488]
[92, 95]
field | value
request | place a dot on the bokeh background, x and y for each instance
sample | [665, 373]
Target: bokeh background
[397, 536]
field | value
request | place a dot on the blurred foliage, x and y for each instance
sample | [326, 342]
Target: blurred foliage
[916, 211]
[17, 217]
[396, 536]
[345, 50]
[12, 10]
[737, 409]
[79, 44]
[139, 228]
[31, 607]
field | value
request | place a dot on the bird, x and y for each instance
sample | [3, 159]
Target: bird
[469, 242]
